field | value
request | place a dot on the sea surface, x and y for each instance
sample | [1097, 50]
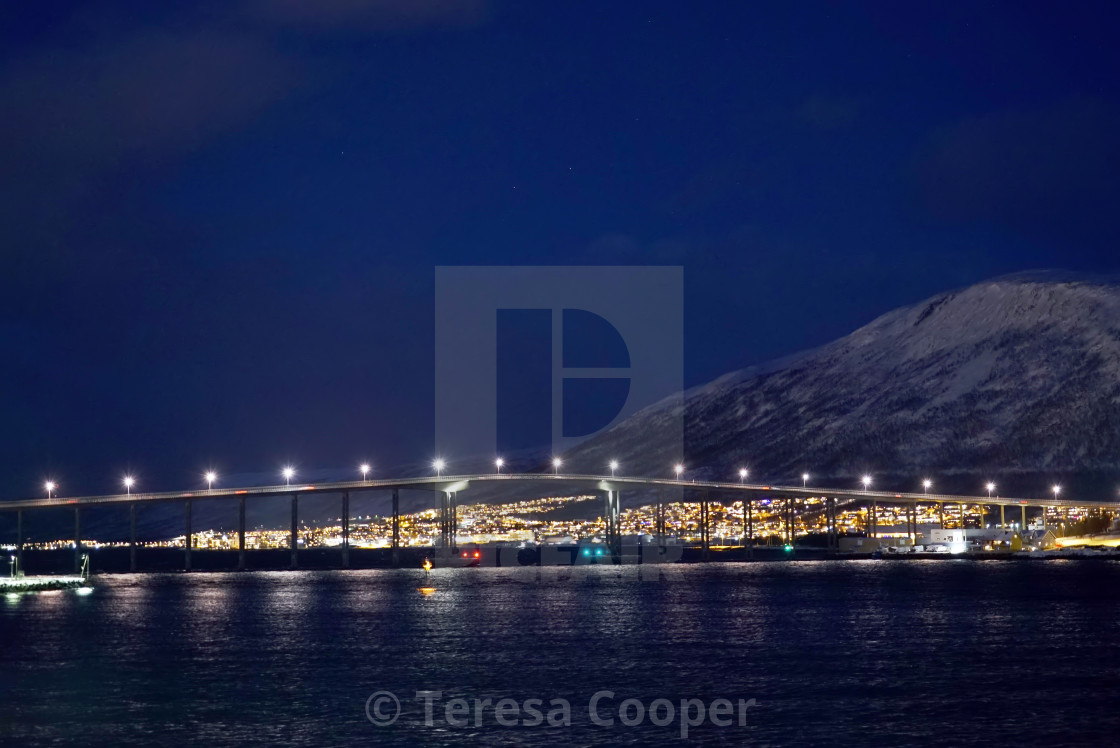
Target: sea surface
[876, 653]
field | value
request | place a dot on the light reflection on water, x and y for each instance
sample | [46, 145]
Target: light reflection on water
[868, 653]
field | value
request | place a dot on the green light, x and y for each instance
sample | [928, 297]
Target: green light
[789, 548]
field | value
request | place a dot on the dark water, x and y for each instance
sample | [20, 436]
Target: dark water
[863, 653]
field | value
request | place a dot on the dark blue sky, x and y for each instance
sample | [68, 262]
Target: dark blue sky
[219, 222]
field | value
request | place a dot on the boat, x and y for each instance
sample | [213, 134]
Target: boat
[20, 582]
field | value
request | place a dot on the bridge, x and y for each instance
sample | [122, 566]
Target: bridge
[609, 486]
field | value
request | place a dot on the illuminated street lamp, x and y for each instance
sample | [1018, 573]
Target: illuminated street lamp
[1056, 489]
[289, 471]
[866, 480]
[743, 473]
[926, 485]
[498, 464]
[364, 469]
[50, 486]
[804, 479]
[128, 481]
[613, 466]
[556, 463]
[678, 469]
[991, 487]
[439, 465]
[210, 476]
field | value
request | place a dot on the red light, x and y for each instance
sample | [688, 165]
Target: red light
[477, 555]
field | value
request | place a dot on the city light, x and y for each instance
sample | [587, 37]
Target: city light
[498, 464]
[50, 486]
[210, 476]
[128, 481]
[439, 465]
[289, 471]
[556, 463]
[613, 466]
[991, 487]
[364, 468]
[866, 480]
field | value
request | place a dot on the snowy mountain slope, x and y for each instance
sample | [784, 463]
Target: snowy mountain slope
[1019, 376]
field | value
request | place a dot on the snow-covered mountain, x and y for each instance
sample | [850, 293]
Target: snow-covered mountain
[1015, 379]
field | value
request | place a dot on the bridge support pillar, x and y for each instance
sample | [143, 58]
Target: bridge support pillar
[189, 540]
[1023, 523]
[1002, 518]
[961, 509]
[705, 528]
[613, 516]
[396, 528]
[132, 537]
[19, 540]
[241, 533]
[293, 536]
[77, 539]
[941, 514]
[345, 529]
[874, 518]
[748, 510]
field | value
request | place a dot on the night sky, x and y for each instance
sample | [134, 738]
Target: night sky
[220, 221]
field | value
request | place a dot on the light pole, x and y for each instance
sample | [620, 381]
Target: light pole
[866, 480]
[991, 487]
[804, 479]
[926, 485]
[678, 469]
[613, 466]
[50, 486]
[556, 463]
[289, 471]
[743, 473]
[439, 465]
[498, 464]
[364, 468]
[211, 476]
[128, 481]
[1057, 490]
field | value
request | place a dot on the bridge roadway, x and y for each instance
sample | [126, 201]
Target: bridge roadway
[611, 486]
[456, 483]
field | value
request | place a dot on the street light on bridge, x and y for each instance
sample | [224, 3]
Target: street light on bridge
[1056, 489]
[364, 469]
[991, 487]
[743, 473]
[804, 479]
[288, 472]
[50, 486]
[210, 476]
[556, 463]
[128, 481]
[613, 466]
[677, 470]
[498, 464]
[866, 480]
[926, 485]
[439, 465]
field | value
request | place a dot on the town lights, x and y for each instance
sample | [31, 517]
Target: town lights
[210, 476]
[128, 482]
[288, 472]
[438, 464]
[50, 486]
[498, 464]
[364, 469]
[556, 463]
[613, 466]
